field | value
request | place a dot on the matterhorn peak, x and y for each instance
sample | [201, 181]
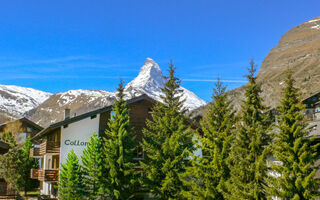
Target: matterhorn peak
[150, 68]
[150, 81]
[150, 77]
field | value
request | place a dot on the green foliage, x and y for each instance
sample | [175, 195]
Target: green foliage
[207, 175]
[294, 175]
[249, 150]
[93, 168]
[71, 179]
[26, 163]
[167, 143]
[119, 148]
[9, 167]
[8, 138]
[16, 164]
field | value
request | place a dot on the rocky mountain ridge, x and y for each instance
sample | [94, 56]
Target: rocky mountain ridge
[149, 81]
[15, 101]
[297, 50]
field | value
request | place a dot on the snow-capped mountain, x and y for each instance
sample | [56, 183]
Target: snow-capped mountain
[149, 81]
[16, 100]
[79, 101]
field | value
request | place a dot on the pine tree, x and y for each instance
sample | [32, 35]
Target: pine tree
[119, 148]
[209, 173]
[93, 168]
[15, 165]
[293, 176]
[70, 184]
[247, 163]
[9, 167]
[167, 143]
[26, 163]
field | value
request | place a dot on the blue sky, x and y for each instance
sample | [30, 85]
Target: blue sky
[60, 45]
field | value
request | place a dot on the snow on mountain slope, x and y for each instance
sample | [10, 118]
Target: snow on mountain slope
[79, 101]
[16, 100]
[150, 81]
[71, 96]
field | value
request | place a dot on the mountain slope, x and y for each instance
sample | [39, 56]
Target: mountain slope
[149, 81]
[298, 50]
[79, 101]
[15, 100]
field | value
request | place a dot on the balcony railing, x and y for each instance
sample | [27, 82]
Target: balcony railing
[35, 152]
[34, 173]
[49, 147]
[49, 175]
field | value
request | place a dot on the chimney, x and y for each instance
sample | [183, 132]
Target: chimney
[66, 113]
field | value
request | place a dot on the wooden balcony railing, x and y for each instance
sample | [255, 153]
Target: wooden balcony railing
[34, 174]
[49, 147]
[49, 175]
[35, 152]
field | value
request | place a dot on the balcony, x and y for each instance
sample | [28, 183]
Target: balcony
[34, 173]
[48, 175]
[35, 152]
[49, 147]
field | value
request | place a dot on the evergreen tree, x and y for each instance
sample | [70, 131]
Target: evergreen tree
[25, 164]
[167, 143]
[15, 165]
[248, 167]
[9, 168]
[119, 148]
[8, 138]
[93, 169]
[70, 184]
[293, 177]
[208, 174]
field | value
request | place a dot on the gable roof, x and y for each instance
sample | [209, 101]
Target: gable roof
[310, 96]
[26, 120]
[88, 114]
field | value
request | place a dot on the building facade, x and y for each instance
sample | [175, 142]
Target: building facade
[21, 129]
[56, 141]
[312, 107]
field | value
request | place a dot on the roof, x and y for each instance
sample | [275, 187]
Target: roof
[24, 119]
[88, 114]
[313, 95]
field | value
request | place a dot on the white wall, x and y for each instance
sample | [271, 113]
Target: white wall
[76, 135]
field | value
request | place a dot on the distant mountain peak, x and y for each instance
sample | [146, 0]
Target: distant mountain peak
[150, 77]
[150, 80]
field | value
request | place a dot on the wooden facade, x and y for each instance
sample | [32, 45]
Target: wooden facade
[21, 129]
